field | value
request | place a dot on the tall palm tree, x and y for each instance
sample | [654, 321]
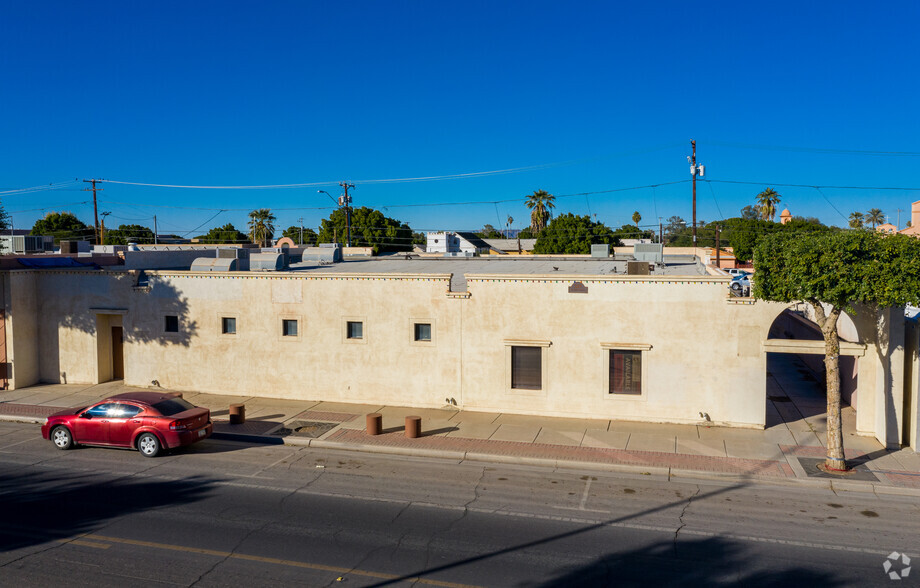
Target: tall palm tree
[540, 202]
[768, 199]
[508, 224]
[875, 216]
[857, 220]
[261, 226]
[636, 217]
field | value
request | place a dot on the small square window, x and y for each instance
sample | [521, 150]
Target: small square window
[172, 324]
[625, 372]
[423, 331]
[354, 330]
[289, 327]
[228, 325]
[527, 368]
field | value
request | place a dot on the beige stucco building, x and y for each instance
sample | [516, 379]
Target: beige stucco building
[573, 338]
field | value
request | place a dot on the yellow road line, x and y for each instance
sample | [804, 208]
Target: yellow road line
[85, 543]
[270, 560]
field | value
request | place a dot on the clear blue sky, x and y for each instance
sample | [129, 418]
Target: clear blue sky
[228, 93]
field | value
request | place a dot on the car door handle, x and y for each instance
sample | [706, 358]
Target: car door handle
[103, 421]
[136, 421]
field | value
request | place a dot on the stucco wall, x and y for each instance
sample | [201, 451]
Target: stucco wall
[703, 352]
[22, 328]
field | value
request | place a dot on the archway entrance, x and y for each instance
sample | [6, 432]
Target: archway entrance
[796, 390]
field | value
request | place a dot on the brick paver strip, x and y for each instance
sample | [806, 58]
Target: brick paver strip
[31, 410]
[816, 451]
[328, 417]
[754, 467]
[908, 480]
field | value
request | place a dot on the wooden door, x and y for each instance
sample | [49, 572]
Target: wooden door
[118, 355]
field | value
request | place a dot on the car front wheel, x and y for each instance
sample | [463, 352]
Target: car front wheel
[148, 445]
[62, 438]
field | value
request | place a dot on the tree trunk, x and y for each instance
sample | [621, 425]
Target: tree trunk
[828, 323]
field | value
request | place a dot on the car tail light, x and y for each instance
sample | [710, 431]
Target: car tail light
[176, 426]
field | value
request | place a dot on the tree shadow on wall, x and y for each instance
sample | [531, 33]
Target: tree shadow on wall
[143, 301]
[39, 507]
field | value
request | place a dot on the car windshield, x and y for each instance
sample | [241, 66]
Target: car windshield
[172, 406]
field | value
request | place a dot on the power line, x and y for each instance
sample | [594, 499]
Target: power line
[812, 185]
[816, 149]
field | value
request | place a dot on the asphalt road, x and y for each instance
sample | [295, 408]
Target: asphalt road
[224, 513]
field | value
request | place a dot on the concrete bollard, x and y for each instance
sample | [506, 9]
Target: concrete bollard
[413, 427]
[237, 414]
[374, 423]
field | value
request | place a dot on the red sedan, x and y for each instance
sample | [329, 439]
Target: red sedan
[150, 422]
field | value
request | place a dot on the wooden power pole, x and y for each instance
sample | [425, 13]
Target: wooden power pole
[346, 201]
[95, 209]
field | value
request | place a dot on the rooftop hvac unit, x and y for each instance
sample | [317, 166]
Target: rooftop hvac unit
[323, 255]
[637, 268]
[601, 250]
[267, 262]
[459, 254]
[648, 252]
[213, 264]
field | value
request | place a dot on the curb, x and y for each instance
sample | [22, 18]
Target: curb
[12, 418]
[661, 472]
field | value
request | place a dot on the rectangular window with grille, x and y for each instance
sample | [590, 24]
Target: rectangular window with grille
[172, 323]
[354, 330]
[526, 368]
[625, 372]
[422, 331]
[289, 327]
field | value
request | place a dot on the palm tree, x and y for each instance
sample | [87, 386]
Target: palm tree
[636, 217]
[540, 202]
[857, 220]
[875, 216]
[508, 224]
[261, 226]
[768, 199]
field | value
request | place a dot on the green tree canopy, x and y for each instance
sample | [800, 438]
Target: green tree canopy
[636, 217]
[767, 201]
[293, 233]
[224, 234]
[125, 234]
[875, 217]
[750, 213]
[541, 204]
[261, 226]
[632, 232]
[568, 233]
[62, 226]
[369, 228]
[833, 271]
[489, 232]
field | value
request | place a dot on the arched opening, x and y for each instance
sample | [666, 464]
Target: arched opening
[796, 389]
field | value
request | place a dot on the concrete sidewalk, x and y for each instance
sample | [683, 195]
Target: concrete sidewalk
[788, 450]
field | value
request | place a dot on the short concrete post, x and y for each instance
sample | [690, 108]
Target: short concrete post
[374, 423]
[413, 427]
[237, 414]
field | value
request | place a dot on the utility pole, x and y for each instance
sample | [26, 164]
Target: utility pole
[694, 171]
[345, 201]
[155, 232]
[718, 247]
[301, 231]
[899, 218]
[95, 208]
[102, 228]
[660, 242]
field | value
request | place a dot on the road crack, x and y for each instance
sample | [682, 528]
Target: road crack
[680, 518]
